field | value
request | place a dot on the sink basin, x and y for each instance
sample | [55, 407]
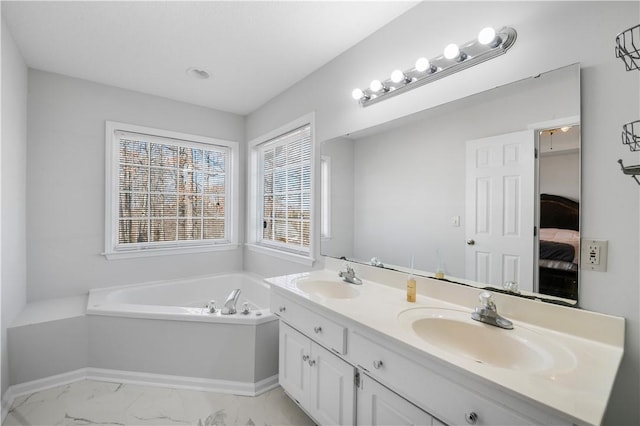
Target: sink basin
[518, 349]
[328, 289]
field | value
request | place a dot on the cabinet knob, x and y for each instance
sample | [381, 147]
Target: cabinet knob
[305, 357]
[282, 308]
[471, 418]
[317, 329]
[312, 362]
[377, 364]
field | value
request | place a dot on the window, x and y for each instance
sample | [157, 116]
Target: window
[281, 196]
[167, 191]
[325, 196]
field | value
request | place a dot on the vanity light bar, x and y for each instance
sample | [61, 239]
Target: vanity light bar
[488, 45]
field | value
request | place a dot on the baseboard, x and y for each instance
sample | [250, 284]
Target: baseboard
[183, 382]
[132, 377]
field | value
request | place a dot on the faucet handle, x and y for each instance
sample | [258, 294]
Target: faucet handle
[511, 286]
[486, 300]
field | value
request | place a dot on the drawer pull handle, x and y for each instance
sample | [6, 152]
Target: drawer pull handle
[312, 362]
[282, 308]
[377, 364]
[305, 357]
[471, 418]
[317, 329]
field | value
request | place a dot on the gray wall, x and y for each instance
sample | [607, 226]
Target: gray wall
[550, 35]
[560, 174]
[65, 185]
[13, 153]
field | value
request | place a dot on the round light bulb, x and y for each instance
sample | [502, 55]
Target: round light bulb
[422, 64]
[375, 85]
[487, 35]
[397, 76]
[452, 51]
[357, 94]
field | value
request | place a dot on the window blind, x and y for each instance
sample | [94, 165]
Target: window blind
[286, 190]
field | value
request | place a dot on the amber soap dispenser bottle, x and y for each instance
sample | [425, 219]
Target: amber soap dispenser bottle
[411, 284]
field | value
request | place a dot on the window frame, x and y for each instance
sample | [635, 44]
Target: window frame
[255, 196]
[114, 250]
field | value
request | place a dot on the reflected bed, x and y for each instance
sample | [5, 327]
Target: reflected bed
[559, 246]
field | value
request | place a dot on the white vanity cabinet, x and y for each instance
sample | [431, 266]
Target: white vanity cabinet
[320, 382]
[447, 400]
[320, 357]
[377, 405]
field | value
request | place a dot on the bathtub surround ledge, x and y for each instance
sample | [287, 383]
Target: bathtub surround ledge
[56, 342]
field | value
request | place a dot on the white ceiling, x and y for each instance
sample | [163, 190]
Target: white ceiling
[254, 50]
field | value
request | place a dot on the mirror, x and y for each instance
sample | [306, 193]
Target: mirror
[464, 189]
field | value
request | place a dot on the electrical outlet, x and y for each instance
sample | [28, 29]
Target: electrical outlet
[594, 255]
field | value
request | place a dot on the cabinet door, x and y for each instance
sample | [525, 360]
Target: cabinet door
[332, 392]
[378, 406]
[293, 373]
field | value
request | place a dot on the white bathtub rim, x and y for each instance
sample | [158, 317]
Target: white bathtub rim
[175, 313]
[98, 303]
[136, 378]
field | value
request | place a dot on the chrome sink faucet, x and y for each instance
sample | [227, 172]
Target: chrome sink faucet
[349, 275]
[230, 304]
[488, 313]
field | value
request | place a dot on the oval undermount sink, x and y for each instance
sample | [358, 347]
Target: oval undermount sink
[328, 289]
[517, 349]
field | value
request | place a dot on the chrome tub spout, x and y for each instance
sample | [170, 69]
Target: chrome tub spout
[230, 304]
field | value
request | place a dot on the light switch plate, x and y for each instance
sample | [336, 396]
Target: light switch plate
[594, 254]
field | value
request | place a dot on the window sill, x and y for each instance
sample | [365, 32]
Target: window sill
[167, 251]
[292, 257]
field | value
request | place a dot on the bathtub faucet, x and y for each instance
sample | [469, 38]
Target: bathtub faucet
[230, 304]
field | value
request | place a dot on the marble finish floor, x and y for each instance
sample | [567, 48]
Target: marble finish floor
[89, 402]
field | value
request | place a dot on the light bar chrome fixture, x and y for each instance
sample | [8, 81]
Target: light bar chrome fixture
[488, 45]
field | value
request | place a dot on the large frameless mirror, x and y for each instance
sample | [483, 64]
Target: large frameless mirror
[484, 190]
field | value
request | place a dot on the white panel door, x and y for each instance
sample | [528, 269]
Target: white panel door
[332, 393]
[379, 406]
[499, 216]
[293, 373]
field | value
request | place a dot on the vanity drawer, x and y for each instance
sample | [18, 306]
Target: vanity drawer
[313, 325]
[444, 399]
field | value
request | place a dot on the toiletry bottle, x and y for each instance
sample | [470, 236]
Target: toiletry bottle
[411, 289]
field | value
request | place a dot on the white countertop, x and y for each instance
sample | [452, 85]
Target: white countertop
[581, 391]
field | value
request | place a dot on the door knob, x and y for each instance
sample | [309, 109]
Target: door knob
[470, 242]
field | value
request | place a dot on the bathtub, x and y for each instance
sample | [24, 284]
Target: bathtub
[185, 299]
[164, 329]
